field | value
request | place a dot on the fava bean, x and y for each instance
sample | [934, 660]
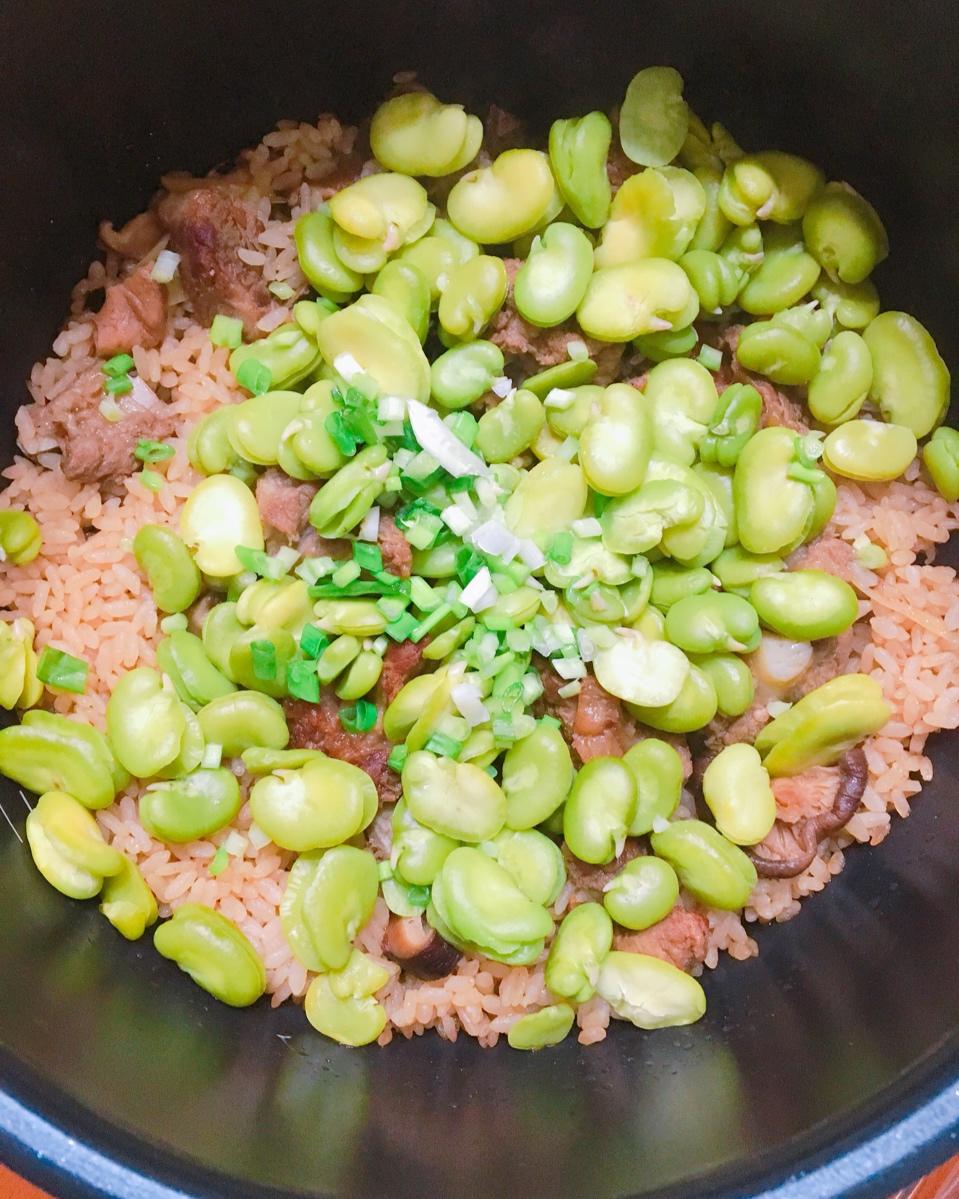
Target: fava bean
[579, 948]
[220, 629]
[259, 760]
[715, 279]
[910, 381]
[191, 808]
[852, 305]
[215, 954]
[418, 852]
[426, 691]
[671, 582]
[503, 201]
[534, 862]
[774, 492]
[578, 148]
[20, 537]
[732, 680]
[464, 373]
[329, 896]
[601, 604]
[714, 226]
[684, 399]
[635, 523]
[127, 902]
[647, 296]
[569, 409]
[244, 719]
[472, 296]
[342, 503]
[574, 373]
[649, 992]
[697, 543]
[381, 342]
[709, 866]
[599, 811]
[323, 803]
[208, 446]
[547, 500]
[183, 659]
[170, 570]
[537, 774]
[654, 215]
[510, 427]
[642, 893]
[616, 443]
[658, 771]
[145, 722]
[813, 322]
[455, 799]
[536, 1030]
[941, 457]
[191, 750]
[839, 389]
[385, 208]
[259, 422]
[68, 848]
[692, 709]
[313, 234]
[654, 117]
[737, 569]
[418, 135]
[787, 272]
[306, 449]
[805, 605]
[780, 353]
[551, 283]
[667, 343]
[259, 657]
[734, 421]
[357, 618]
[651, 673]
[220, 514]
[406, 288]
[844, 233]
[869, 451]
[340, 1004]
[276, 604]
[288, 354]
[769, 186]
[436, 256]
[713, 623]
[743, 249]
[361, 676]
[737, 792]
[48, 752]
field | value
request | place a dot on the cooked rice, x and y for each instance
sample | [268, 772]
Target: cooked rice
[85, 595]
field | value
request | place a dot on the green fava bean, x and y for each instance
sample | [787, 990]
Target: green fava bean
[649, 992]
[380, 205]
[276, 604]
[220, 514]
[666, 344]
[599, 811]
[635, 523]
[840, 387]
[537, 775]
[510, 427]
[769, 186]
[813, 322]
[737, 569]
[455, 799]
[709, 866]
[356, 618]
[782, 354]
[820, 727]
[658, 770]
[501, 202]
[672, 582]
[616, 443]
[47, 752]
[259, 760]
[577, 153]
[323, 803]
[416, 134]
[651, 673]
[787, 272]
[208, 446]
[714, 226]
[805, 605]
[737, 791]
[20, 537]
[288, 354]
[732, 679]
[374, 336]
[418, 852]
[145, 722]
[406, 288]
[910, 380]
[712, 623]
[317, 257]
[191, 751]
[643, 892]
[552, 281]
[534, 862]
[244, 719]
[259, 422]
[329, 896]
[547, 500]
[852, 305]
[654, 117]
[127, 902]
[536, 1030]
[182, 657]
[715, 279]
[478, 901]
[869, 451]
[601, 604]
[734, 421]
[168, 566]
[569, 409]
[68, 848]
[578, 950]
[306, 449]
[654, 215]
[743, 249]
[684, 399]
[622, 302]
[940, 455]
[220, 629]
[340, 1004]
[512, 610]
[215, 954]
[464, 373]
[844, 233]
[438, 255]
[343, 502]
[192, 807]
[694, 707]
[361, 676]
[473, 294]
[774, 509]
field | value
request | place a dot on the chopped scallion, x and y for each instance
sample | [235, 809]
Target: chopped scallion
[226, 331]
[151, 480]
[153, 451]
[710, 358]
[176, 622]
[401, 629]
[302, 681]
[263, 654]
[119, 364]
[359, 717]
[118, 385]
[367, 556]
[398, 756]
[345, 574]
[313, 641]
[444, 746]
[255, 377]
[560, 549]
[219, 861]
[61, 670]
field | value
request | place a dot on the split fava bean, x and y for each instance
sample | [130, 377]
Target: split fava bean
[578, 148]
[20, 537]
[244, 664]
[214, 953]
[910, 381]
[642, 893]
[635, 523]
[654, 215]
[404, 285]
[127, 902]
[623, 302]
[650, 673]
[343, 502]
[709, 866]
[437, 255]
[306, 449]
[671, 582]
[844, 233]
[258, 425]
[547, 500]
[579, 948]
[220, 514]
[329, 896]
[941, 457]
[416, 134]
[536, 1030]
[658, 770]
[170, 570]
[839, 388]
[382, 342]
[732, 681]
[509, 427]
[242, 720]
[473, 294]
[418, 852]
[805, 605]
[769, 186]
[787, 272]
[455, 799]
[340, 1003]
[775, 511]
[48, 752]
[288, 353]
[534, 862]
[323, 803]
[537, 775]
[692, 709]
[182, 657]
[737, 791]
[683, 397]
[599, 811]
[501, 202]
[869, 451]
[145, 722]
[852, 305]
[318, 259]
[616, 443]
[779, 352]
[192, 807]
[715, 279]
[552, 281]
[68, 848]
[649, 992]
[464, 373]
[711, 623]
[734, 421]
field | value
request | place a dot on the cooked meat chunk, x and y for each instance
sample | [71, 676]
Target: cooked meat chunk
[827, 552]
[419, 949]
[681, 938]
[397, 551]
[284, 504]
[594, 722]
[536, 349]
[312, 545]
[585, 877]
[723, 731]
[780, 406]
[208, 226]
[93, 448]
[317, 726]
[402, 661]
[137, 237]
[133, 314]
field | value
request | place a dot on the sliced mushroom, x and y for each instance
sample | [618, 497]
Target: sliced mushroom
[419, 949]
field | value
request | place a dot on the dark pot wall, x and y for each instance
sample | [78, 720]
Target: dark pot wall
[846, 1023]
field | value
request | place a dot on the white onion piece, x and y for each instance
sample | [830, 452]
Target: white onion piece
[140, 398]
[445, 446]
[469, 703]
[779, 661]
[479, 593]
